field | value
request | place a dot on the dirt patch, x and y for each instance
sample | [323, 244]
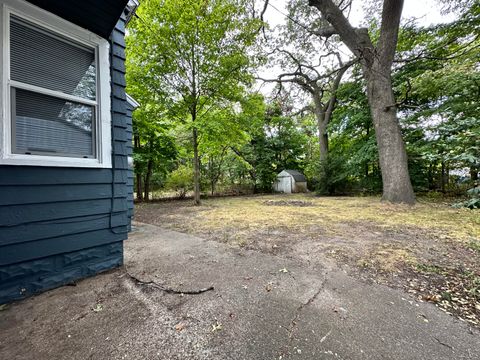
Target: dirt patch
[287, 203]
[430, 250]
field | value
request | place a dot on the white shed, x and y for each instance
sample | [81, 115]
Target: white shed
[290, 181]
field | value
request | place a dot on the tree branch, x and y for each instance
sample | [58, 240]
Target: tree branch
[262, 14]
[298, 62]
[335, 86]
[295, 77]
[387, 42]
[325, 32]
[349, 35]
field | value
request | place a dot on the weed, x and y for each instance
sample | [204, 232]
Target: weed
[474, 245]
[430, 269]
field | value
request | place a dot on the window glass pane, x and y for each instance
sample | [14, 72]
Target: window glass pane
[48, 61]
[51, 126]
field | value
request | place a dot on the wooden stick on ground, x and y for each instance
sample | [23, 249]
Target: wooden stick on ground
[167, 289]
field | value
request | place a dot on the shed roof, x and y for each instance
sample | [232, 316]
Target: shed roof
[297, 175]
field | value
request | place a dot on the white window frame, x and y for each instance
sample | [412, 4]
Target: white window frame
[67, 30]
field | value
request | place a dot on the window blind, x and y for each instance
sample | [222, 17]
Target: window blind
[49, 125]
[40, 58]
[45, 124]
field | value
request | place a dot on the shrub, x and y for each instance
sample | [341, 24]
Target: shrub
[332, 177]
[180, 180]
[474, 199]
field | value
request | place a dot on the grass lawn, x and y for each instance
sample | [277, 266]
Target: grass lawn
[431, 250]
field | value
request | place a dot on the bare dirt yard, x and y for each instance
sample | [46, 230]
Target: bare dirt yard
[430, 250]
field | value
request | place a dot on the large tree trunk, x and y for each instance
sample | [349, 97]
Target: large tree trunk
[377, 62]
[196, 168]
[397, 186]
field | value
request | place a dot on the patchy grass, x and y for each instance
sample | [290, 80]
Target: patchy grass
[429, 249]
[474, 245]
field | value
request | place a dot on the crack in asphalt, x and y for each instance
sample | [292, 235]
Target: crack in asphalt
[294, 322]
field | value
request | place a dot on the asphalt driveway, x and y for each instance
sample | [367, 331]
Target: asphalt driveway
[262, 307]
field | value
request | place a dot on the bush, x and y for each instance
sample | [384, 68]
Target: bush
[180, 180]
[474, 199]
[332, 177]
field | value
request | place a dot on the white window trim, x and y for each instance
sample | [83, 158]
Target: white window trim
[103, 119]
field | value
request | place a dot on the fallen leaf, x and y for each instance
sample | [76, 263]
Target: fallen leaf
[180, 326]
[98, 308]
[423, 317]
[432, 298]
[217, 327]
[284, 270]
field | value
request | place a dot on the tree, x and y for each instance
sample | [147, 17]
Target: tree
[439, 81]
[312, 64]
[322, 87]
[154, 148]
[220, 129]
[353, 137]
[277, 143]
[195, 57]
[214, 166]
[376, 61]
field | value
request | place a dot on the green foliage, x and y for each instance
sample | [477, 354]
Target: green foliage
[332, 176]
[353, 147]
[180, 180]
[190, 65]
[439, 91]
[277, 143]
[474, 199]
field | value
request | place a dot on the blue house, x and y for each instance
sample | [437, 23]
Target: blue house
[66, 185]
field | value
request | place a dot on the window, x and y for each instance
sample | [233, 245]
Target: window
[55, 91]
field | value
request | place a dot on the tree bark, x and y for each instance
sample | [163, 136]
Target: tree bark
[397, 186]
[321, 125]
[148, 177]
[138, 175]
[430, 176]
[139, 187]
[474, 173]
[376, 64]
[366, 138]
[443, 179]
[196, 168]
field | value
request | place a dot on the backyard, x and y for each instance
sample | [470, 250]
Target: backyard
[269, 277]
[430, 250]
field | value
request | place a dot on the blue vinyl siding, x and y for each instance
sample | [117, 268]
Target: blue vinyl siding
[130, 173]
[58, 224]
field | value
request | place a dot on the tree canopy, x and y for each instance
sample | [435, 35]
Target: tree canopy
[389, 107]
